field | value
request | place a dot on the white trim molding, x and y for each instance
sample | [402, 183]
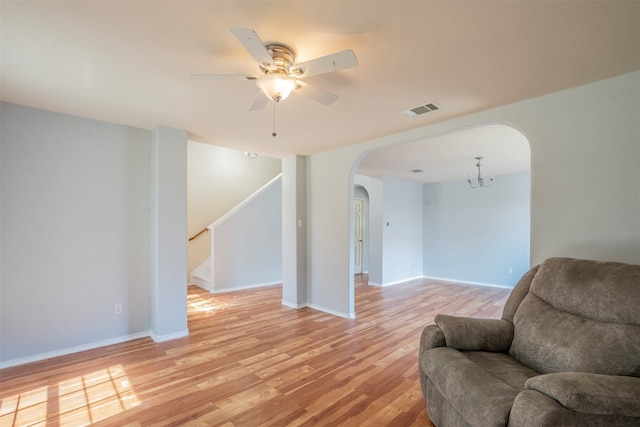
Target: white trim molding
[75, 349]
[169, 337]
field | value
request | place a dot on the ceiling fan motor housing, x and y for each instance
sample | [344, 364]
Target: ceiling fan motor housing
[283, 56]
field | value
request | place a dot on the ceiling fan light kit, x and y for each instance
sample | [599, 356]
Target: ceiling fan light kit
[276, 86]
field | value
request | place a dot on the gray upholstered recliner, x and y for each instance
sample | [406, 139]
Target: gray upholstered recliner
[565, 353]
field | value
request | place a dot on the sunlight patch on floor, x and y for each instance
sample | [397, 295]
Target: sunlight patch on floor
[208, 306]
[77, 401]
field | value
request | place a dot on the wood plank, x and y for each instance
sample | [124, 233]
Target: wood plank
[250, 361]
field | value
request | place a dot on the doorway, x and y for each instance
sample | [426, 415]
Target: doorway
[358, 237]
[450, 205]
[360, 230]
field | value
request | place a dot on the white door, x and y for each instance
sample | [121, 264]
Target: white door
[357, 209]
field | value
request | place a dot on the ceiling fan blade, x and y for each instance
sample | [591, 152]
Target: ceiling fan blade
[315, 93]
[259, 102]
[254, 45]
[225, 76]
[326, 64]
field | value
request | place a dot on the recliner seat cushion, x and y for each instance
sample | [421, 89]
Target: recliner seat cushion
[480, 386]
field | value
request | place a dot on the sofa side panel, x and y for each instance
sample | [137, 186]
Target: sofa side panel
[441, 413]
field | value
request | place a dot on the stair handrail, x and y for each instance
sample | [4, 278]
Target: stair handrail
[198, 233]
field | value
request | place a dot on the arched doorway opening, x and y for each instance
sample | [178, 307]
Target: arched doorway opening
[360, 230]
[425, 220]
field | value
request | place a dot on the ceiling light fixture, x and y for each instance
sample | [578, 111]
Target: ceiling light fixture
[276, 86]
[480, 181]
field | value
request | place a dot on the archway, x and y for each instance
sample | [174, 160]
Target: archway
[479, 236]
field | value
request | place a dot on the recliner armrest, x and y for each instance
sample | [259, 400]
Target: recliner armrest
[431, 337]
[591, 393]
[470, 334]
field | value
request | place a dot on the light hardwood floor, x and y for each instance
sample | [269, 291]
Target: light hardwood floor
[250, 361]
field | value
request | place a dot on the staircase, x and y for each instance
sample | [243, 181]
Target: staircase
[201, 275]
[248, 241]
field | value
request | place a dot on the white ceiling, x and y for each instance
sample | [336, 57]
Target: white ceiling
[129, 62]
[452, 157]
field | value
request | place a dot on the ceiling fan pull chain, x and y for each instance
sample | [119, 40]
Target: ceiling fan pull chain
[274, 134]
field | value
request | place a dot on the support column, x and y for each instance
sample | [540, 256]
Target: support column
[294, 231]
[169, 233]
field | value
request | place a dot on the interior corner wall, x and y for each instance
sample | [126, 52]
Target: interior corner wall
[478, 235]
[75, 233]
[584, 198]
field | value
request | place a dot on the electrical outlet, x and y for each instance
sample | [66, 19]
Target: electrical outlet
[118, 308]
[510, 270]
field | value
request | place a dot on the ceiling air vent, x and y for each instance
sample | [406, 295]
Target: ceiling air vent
[421, 109]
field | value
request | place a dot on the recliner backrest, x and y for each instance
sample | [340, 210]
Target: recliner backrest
[579, 316]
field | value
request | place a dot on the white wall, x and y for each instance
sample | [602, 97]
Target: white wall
[218, 179]
[477, 235]
[584, 160]
[294, 231]
[248, 245]
[93, 214]
[330, 233]
[168, 233]
[75, 231]
[401, 230]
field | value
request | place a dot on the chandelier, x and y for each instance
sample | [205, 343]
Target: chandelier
[480, 181]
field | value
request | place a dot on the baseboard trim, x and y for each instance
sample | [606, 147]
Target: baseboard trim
[466, 282]
[243, 288]
[296, 306]
[74, 349]
[201, 283]
[397, 282]
[168, 337]
[332, 312]
[443, 279]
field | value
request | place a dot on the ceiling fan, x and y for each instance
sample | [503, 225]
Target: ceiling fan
[281, 75]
